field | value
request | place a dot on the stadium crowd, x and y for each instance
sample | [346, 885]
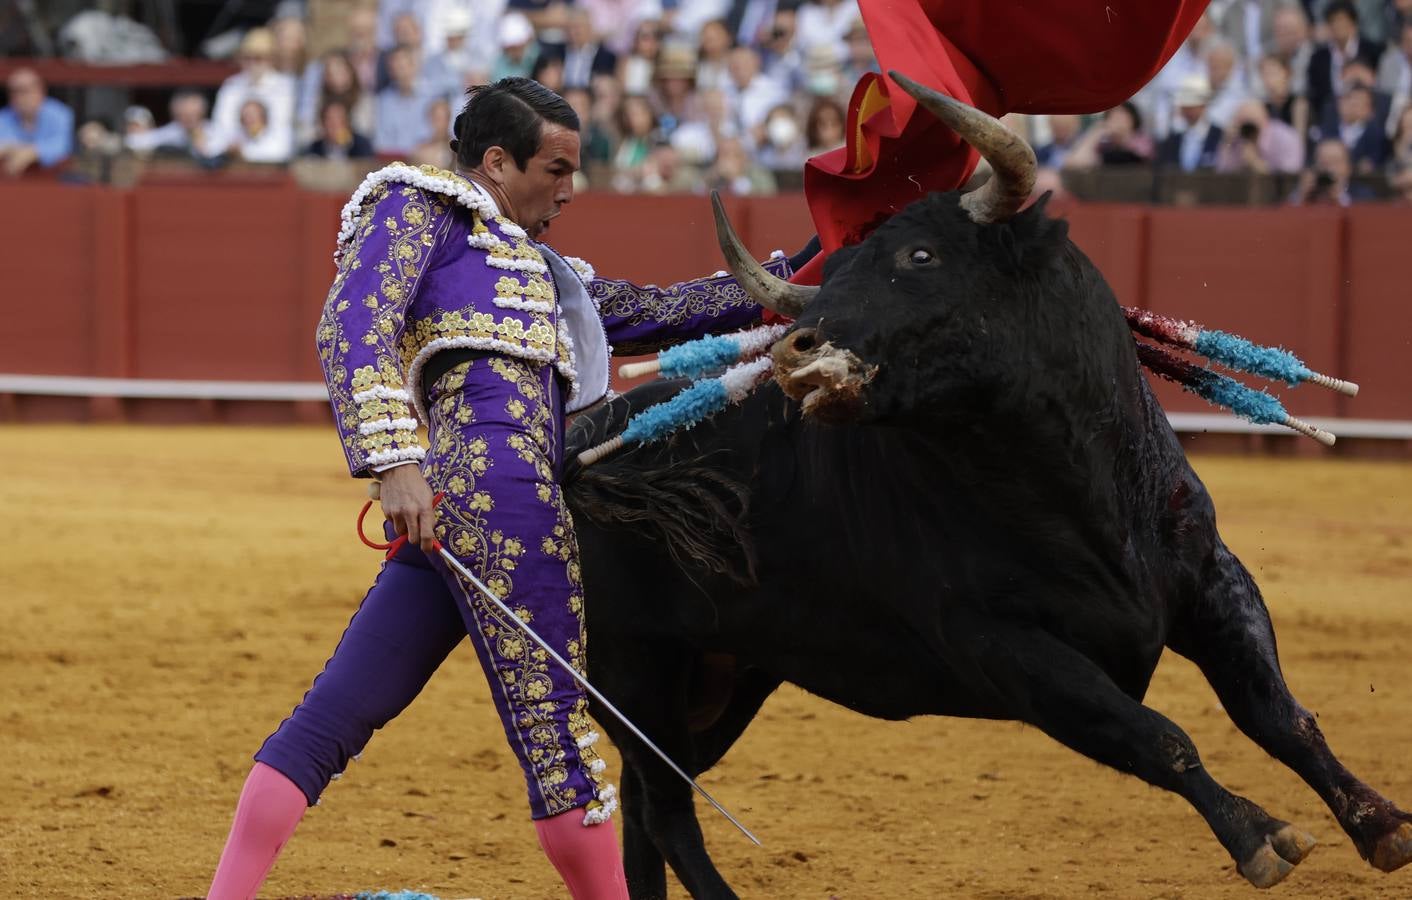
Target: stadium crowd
[691, 95]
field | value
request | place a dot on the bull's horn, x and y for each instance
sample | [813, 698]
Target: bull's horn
[773, 293]
[1009, 156]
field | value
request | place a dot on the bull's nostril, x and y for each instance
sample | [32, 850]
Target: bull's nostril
[803, 341]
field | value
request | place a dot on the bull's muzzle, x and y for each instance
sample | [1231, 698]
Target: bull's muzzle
[827, 380]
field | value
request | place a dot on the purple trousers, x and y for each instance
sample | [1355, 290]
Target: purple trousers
[496, 433]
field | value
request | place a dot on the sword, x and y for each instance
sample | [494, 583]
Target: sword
[583, 682]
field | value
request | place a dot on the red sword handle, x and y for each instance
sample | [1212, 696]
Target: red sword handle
[396, 544]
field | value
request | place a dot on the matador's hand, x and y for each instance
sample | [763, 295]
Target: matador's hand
[408, 503]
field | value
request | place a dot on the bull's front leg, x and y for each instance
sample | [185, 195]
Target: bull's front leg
[1046, 683]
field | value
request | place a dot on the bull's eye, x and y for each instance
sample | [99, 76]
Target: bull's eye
[921, 257]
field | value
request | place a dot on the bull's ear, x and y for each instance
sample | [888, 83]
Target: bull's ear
[1031, 236]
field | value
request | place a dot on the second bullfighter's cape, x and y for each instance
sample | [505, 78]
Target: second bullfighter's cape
[1001, 56]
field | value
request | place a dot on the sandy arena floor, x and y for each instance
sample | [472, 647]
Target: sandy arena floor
[167, 595]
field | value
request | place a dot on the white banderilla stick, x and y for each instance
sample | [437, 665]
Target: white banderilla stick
[487, 593]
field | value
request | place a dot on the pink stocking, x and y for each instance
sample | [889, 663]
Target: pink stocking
[270, 807]
[586, 856]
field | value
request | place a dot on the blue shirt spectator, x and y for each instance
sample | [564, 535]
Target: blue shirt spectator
[34, 127]
[400, 124]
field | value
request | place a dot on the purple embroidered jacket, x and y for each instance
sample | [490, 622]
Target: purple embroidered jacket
[425, 263]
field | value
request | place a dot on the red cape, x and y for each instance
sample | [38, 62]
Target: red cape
[1001, 56]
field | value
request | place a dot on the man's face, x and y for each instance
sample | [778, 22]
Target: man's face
[547, 182]
[1193, 113]
[1342, 28]
[1289, 30]
[1220, 62]
[26, 93]
[1355, 107]
[188, 111]
[580, 29]
[1332, 157]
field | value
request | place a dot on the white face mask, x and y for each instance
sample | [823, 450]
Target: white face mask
[823, 83]
[782, 131]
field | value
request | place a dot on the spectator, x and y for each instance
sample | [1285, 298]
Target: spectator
[782, 147]
[400, 124]
[1361, 130]
[1258, 143]
[1227, 79]
[780, 57]
[825, 22]
[335, 81]
[257, 80]
[1400, 153]
[675, 90]
[736, 173]
[448, 73]
[34, 128]
[475, 20]
[665, 173]
[519, 51]
[637, 124]
[824, 126]
[549, 71]
[752, 94]
[1395, 73]
[337, 139]
[695, 139]
[137, 120]
[1402, 184]
[1329, 181]
[363, 50]
[546, 16]
[685, 18]
[1247, 25]
[636, 67]
[748, 21]
[407, 37]
[257, 141]
[436, 149]
[1358, 74]
[1280, 100]
[1195, 147]
[1114, 141]
[823, 71]
[1344, 43]
[189, 134]
[1156, 100]
[860, 59]
[291, 41]
[1117, 139]
[584, 56]
[1064, 131]
[596, 142]
[1292, 46]
[615, 21]
[712, 69]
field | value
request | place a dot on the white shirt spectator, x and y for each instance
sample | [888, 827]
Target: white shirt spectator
[825, 23]
[276, 91]
[690, 15]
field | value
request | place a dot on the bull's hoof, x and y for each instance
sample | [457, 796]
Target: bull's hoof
[1292, 844]
[1394, 849]
[1265, 868]
[1283, 850]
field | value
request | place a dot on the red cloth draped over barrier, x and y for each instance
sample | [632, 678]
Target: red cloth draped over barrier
[1001, 56]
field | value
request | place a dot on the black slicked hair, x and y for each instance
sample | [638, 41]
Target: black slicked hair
[509, 113]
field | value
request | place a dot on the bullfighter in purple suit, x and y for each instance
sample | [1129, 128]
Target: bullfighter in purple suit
[447, 311]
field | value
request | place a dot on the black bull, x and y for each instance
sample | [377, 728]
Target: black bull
[978, 509]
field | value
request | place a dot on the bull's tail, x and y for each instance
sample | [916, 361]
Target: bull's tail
[697, 510]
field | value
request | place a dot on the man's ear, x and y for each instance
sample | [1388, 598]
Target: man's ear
[493, 163]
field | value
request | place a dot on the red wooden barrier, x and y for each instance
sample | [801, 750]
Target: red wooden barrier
[222, 281]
